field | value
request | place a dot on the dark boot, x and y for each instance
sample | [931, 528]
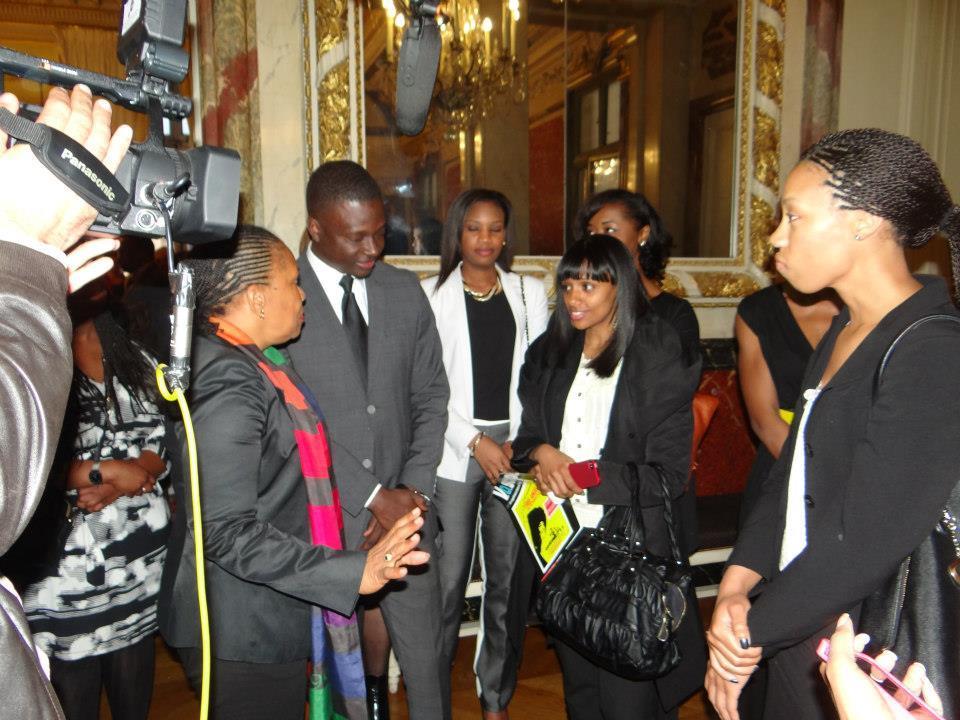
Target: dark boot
[378, 697]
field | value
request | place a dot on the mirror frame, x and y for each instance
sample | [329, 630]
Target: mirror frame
[334, 129]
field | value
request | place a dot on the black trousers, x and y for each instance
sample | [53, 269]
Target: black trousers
[592, 693]
[126, 675]
[250, 691]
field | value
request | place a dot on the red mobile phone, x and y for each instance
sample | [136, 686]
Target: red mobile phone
[585, 474]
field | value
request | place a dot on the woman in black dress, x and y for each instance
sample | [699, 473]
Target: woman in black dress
[777, 329]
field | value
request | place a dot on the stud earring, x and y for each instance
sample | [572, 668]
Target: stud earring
[261, 312]
[857, 237]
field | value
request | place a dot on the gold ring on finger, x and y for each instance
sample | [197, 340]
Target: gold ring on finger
[388, 558]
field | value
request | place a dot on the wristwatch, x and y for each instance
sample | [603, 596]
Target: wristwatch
[95, 477]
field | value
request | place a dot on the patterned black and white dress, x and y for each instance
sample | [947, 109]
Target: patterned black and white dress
[103, 596]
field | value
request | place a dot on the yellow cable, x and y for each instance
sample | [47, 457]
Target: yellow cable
[177, 395]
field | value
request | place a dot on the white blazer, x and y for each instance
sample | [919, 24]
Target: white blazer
[450, 310]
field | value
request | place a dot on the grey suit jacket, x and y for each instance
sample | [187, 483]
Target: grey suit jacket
[390, 432]
[35, 371]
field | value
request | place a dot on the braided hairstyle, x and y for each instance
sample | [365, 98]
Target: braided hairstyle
[220, 279]
[655, 252]
[892, 177]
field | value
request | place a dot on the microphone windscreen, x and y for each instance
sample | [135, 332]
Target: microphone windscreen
[417, 67]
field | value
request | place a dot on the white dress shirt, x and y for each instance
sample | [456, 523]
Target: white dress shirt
[586, 417]
[329, 278]
[795, 529]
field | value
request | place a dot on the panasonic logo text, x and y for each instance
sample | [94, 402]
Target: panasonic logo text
[91, 175]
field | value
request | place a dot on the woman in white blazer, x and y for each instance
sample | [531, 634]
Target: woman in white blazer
[487, 317]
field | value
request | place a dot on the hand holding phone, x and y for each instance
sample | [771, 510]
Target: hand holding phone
[896, 709]
[585, 474]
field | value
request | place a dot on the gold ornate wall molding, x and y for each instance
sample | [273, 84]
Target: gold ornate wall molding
[333, 82]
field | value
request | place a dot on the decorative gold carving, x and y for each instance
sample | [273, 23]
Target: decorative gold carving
[307, 85]
[358, 84]
[746, 79]
[724, 284]
[762, 224]
[766, 133]
[334, 109]
[673, 286]
[769, 62]
[766, 150]
[331, 24]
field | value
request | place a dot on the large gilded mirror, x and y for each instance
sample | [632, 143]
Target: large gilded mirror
[551, 101]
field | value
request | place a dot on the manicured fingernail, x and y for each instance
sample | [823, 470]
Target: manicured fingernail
[734, 681]
[745, 643]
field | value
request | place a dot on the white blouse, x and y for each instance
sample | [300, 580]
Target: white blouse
[586, 417]
[795, 529]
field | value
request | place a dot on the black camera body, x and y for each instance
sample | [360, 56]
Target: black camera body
[198, 189]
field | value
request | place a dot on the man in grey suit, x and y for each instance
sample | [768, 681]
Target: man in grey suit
[370, 352]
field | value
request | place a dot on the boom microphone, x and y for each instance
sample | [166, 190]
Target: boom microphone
[417, 67]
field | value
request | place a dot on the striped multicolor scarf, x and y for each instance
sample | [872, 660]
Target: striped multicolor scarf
[337, 689]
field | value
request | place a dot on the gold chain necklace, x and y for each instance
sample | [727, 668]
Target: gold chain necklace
[486, 295]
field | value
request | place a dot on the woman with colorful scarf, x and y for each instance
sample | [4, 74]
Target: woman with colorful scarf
[280, 587]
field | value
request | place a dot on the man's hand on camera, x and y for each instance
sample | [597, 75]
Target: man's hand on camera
[37, 207]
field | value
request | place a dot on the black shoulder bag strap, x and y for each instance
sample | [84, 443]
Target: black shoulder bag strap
[948, 519]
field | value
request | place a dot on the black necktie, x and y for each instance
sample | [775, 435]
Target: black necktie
[354, 326]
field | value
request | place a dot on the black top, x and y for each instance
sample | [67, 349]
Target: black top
[680, 316]
[785, 348]
[492, 335]
[878, 471]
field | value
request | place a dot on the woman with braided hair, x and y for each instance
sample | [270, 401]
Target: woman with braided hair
[279, 586]
[871, 458]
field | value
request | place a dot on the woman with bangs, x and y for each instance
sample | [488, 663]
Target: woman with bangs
[607, 381]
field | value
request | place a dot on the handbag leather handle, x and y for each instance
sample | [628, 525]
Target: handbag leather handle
[635, 527]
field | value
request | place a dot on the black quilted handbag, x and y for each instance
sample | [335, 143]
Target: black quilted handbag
[613, 601]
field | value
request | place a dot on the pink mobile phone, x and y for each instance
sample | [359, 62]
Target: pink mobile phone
[823, 651]
[585, 474]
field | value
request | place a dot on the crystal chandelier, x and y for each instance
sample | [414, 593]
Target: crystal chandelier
[476, 65]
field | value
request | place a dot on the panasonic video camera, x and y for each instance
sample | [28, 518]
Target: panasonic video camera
[199, 189]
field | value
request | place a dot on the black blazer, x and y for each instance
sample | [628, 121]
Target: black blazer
[650, 422]
[263, 573]
[877, 472]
